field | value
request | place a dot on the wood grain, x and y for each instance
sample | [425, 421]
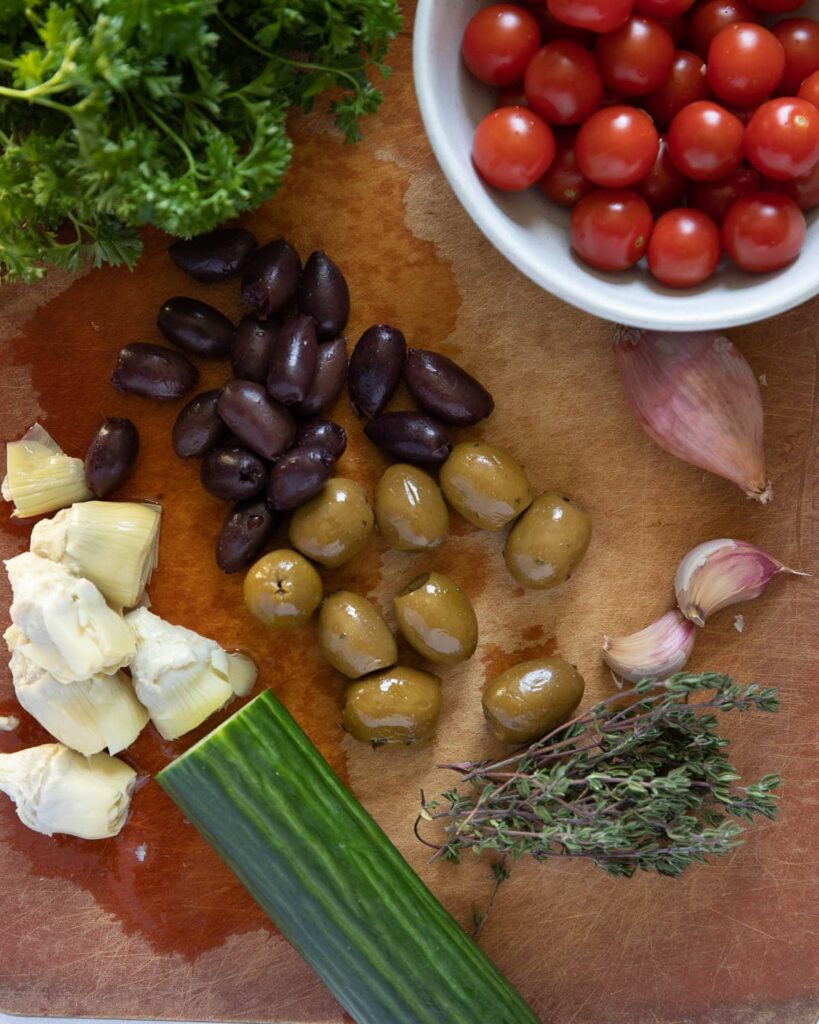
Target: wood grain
[90, 929]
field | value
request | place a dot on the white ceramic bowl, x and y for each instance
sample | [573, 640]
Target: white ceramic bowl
[533, 233]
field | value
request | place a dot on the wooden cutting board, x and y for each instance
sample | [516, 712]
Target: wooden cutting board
[151, 924]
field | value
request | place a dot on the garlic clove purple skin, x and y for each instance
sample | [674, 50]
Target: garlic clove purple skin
[722, 572]
[656, 652]
[696, 396]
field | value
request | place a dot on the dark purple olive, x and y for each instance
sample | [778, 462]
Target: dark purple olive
[215, 255]
[271, 278]
[299, 475]
[375, 369]
[331, 372]
[250, 356]
[323, 434]
[199, 427]
[152, 371]
[266, 427]
[111, 455]
[293, 361]
[410, 436]
[233, 474]
[196, 327]
[445, 390]
[247, 530]
[324, 295]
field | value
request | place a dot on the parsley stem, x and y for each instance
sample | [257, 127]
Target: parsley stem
[166, 128]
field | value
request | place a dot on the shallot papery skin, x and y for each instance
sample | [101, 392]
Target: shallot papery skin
[696, 396]
[656, 652]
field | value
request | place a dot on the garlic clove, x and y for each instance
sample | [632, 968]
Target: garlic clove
[656, 652]
[723, 572]
[696, 396]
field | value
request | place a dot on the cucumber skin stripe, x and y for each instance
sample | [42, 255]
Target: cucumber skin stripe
[329, 878]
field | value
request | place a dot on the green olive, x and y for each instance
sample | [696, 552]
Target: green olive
[282, 589]
[400, 705]
[548, 542]
[438, 619]
[483, 483]
[410, 510]
[528, 700]
[353, 635]
[335, 525]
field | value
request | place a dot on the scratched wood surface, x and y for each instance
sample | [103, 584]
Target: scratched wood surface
[151, 924]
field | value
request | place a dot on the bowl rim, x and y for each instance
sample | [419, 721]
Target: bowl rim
[582, 295]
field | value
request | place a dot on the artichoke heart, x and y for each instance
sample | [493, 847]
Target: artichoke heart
[112, 543]
[182, 678]
[40, 477]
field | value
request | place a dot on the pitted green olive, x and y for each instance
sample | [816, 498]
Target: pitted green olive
[438, 619]
[335, 525]
[353, 635]
[487, 486]
[410, 509]
[548, 542]
[282, 589]
[400, 705]
[528, 700]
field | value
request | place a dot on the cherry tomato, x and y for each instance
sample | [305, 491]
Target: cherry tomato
[715, 198]
[705, 141]
[617, 146]
[610, 228]
[776, 6]
[675, 27]
[804, 191]
[662, 8]
[708, 19]
[800, 39]
[663, 186]
[636, 58]
[686, 84]
[809, 89]
[782, 138]
[597, 15]
[563, 84]
[763, 232]
[551, 29]
[564, 183]
[499, 42]
[512, 148]
[511, 96]
[684, 248]
[745, 64]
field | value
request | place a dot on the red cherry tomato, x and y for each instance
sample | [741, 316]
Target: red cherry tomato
[686, 84]
[511, 96]
[776, 6]
[708, 19]
[800, 39]
[499, 42]
[551, 29]
[564, 183]
[745, 64]
[675, 27]
[705, 141]
[636, 58]
[617, 146]
[563, 84]
[782, 138]
[763, 232]
[809, 89]
[804, 191]
[512, 148]
[684, 248]
[597, 15]
[610, 228]
[663, 186]
[715, 198]
[662, 8]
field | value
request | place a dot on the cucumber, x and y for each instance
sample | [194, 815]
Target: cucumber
[333, 883]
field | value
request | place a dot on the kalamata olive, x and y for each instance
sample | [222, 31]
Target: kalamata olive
[233, 474]
[375, 368]
[111, 455]
[283, 589]
[548, 542]
[485, 484]
[293, 361]
[196, 327]
[152, 371]
[530, 699]
[266, 427]
[247, 529]
[411, 436]
[324, 295]
[324, 434]
[215, 255]
[444, 389]
[331, 372]
[198, 427]
[400, 705]
[250, 356]
[271, 278]
[299, 475]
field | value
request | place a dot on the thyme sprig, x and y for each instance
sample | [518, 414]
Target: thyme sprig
[639, 781]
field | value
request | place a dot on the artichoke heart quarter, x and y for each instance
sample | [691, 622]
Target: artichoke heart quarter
[40, 477]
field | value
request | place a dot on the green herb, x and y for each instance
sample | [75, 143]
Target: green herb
[639, 781]
[116, 114]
